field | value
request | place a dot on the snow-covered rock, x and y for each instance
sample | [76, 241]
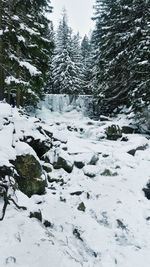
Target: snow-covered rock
[90, 222]
[91, 170]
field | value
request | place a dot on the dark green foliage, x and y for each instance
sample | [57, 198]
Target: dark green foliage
[122, 41]
[27, 45]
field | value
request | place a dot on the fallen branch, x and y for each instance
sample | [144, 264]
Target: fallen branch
[7, 198]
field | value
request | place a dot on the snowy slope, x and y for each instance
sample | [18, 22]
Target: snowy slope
[99, 221]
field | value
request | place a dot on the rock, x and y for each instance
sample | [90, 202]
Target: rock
[77, 193]
[147, 191]
[81, 207]
[132, 152]
[55, 180]
[37, 215]
[139, 148]
[90, 171]
[113, 132]
[28, 166]
[82, 159]
[65, 148]
[63, 161]
[79, 164]
[128, 129]
[105, 155]
[40, 147]
[29, 176]
[107, 172]
[94, 159]
[48, 224]
[124, 139]
[90, 123]
[47, 167]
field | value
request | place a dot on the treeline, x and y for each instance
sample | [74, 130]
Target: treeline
[113, 64]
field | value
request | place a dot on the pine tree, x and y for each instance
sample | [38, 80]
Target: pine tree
[27, 49]
[86, 51]
[140, 56]
[121, 40]
[66, 61]
[76, 56]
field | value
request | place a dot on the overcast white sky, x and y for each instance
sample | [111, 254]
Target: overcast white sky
[79, 14]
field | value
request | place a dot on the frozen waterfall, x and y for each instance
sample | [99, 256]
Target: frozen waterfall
[65, 103]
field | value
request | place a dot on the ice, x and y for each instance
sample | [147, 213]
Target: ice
[65, 103]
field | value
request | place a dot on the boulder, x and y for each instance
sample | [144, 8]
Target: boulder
[94, 159]
[63, 163]
[139, 148]
[113, 132]
[91, 171]
[63, 160]
[29, 176]
[41, 147]
[79, 164]
[128, 129]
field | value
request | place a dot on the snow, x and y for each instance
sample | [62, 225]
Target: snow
[24, 149]
[32, 69]
[113, 231]
[11, 79]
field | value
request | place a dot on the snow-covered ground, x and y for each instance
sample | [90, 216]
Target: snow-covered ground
[98, 216]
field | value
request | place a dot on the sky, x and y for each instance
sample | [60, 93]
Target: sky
[79, 14]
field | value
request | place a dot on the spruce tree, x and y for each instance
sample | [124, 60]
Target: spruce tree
[27, 49]
[86, 51]
[67, 60]
[121, 40]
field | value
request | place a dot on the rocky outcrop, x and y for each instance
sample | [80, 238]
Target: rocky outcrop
[29, 175]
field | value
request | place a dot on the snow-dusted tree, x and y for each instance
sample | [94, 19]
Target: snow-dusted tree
[76, 55]
[86, 51]
[139, 55]
[121, 39]
[27, 49]
[66, 62]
